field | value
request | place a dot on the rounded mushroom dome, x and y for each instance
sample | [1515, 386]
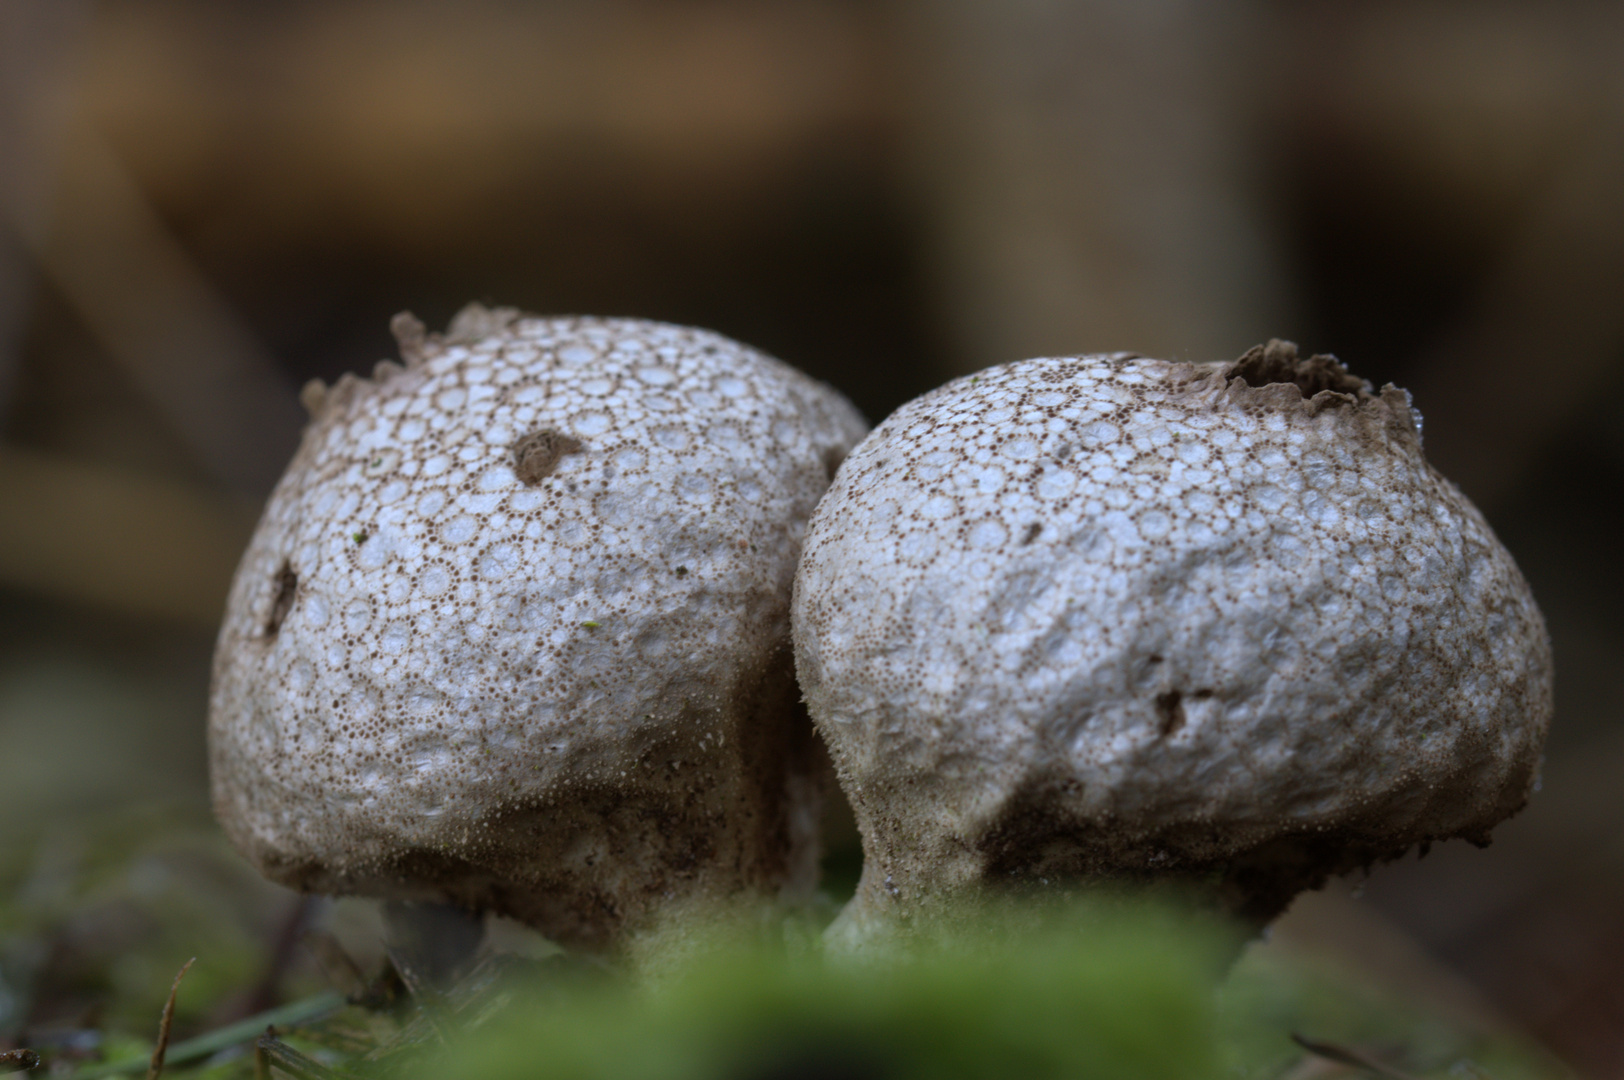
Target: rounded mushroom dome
[1113, 616]
[513, 630]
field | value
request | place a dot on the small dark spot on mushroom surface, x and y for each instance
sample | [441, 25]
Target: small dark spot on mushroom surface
[682, 571]
[1169, 713]
[1033, 531]
[537, 454]
[287, 587]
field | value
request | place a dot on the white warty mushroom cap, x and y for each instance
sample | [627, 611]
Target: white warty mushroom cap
[513, 630]
[1114, 616]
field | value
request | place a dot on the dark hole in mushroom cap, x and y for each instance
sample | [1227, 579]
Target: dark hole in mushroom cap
[287, 586]
[537, 454]
[1278, 362]
[1169, 712]
[831, 462]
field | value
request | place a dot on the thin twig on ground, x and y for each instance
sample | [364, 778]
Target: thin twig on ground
[1346, 1055]
[297, 1012]
[279, 1055]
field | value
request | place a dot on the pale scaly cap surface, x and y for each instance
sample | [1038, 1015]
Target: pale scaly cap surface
[1113, 616]
[513, 631]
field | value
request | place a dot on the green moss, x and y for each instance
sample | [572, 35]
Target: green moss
[1123, 994]
[1117, 987]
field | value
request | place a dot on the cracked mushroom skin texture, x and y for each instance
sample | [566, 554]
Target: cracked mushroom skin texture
[1106, 617]
[513, 631]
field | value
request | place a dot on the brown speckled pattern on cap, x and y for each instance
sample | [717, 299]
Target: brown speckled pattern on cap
[513, 631]
[1115, 616]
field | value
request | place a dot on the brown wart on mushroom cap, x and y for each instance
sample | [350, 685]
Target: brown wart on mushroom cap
[513, 631]
[1115, 617]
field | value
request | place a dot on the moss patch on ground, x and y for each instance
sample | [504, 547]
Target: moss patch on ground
[96, 918]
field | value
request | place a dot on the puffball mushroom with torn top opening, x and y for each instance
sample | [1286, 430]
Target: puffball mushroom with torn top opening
[1112, 617]
[513, 632]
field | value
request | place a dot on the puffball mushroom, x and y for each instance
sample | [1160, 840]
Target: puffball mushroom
[513, 631]
[1113, 617]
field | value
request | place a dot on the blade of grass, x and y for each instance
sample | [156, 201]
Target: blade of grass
[1346, 1055]
[289, 1015]
[280, 1055]
[155, 1068]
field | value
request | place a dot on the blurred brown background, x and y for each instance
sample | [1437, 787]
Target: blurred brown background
[205, 202]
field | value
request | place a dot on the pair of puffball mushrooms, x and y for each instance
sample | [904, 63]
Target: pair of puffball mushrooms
[521, 627]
